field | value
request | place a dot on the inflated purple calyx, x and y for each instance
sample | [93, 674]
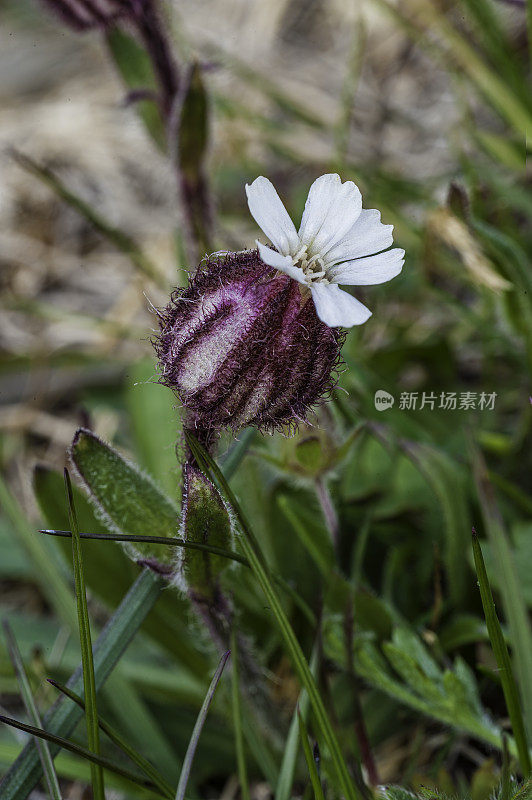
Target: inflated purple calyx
[242, 345]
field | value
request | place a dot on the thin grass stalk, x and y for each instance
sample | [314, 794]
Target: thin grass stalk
[283, 790]
[47, 763]
[309, 758]
[198, 727]
[89, 680]
[502, 657]
[207, 548]
[505, 770]
[237, 719]
[515, 611]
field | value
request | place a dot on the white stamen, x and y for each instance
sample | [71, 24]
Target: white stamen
[313, 268]
[299, 255]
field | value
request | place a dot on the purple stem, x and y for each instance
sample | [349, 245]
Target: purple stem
[148, 24]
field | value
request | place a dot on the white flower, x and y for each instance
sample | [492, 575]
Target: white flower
[338, 242]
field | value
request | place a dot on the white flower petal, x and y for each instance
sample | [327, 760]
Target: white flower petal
[370, 270]
[367, 236]
[331, 210]
[337, 308]
[270, 214]
[283, 263]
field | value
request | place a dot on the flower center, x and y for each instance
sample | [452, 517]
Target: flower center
[313, 267]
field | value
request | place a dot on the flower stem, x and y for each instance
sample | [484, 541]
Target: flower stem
[328, 509]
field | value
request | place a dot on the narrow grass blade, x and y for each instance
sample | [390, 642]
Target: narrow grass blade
[311, 764]
[166, 540]
[322, 558]
[253, 554]
[505, 784]
[101, 762]
[143, 763]
[207, 548]
[237, 452]
[118, 238]
[198, 727]
[89, 680]
[237, 721]
[50, 776]
[502, 656]
[63, 717]
[515, 610]
[283, 790]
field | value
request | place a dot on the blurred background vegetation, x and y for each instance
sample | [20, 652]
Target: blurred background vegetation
[425, 105]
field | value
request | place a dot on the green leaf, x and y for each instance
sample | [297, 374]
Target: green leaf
[372, 614]
[127, 499]
[461, 630]
[31, 709]
[135, 68]
[412, 674]
[452, 701]
[89, 681]
[523, 791]
[502, 657]
[109, 647]
[198, 727]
